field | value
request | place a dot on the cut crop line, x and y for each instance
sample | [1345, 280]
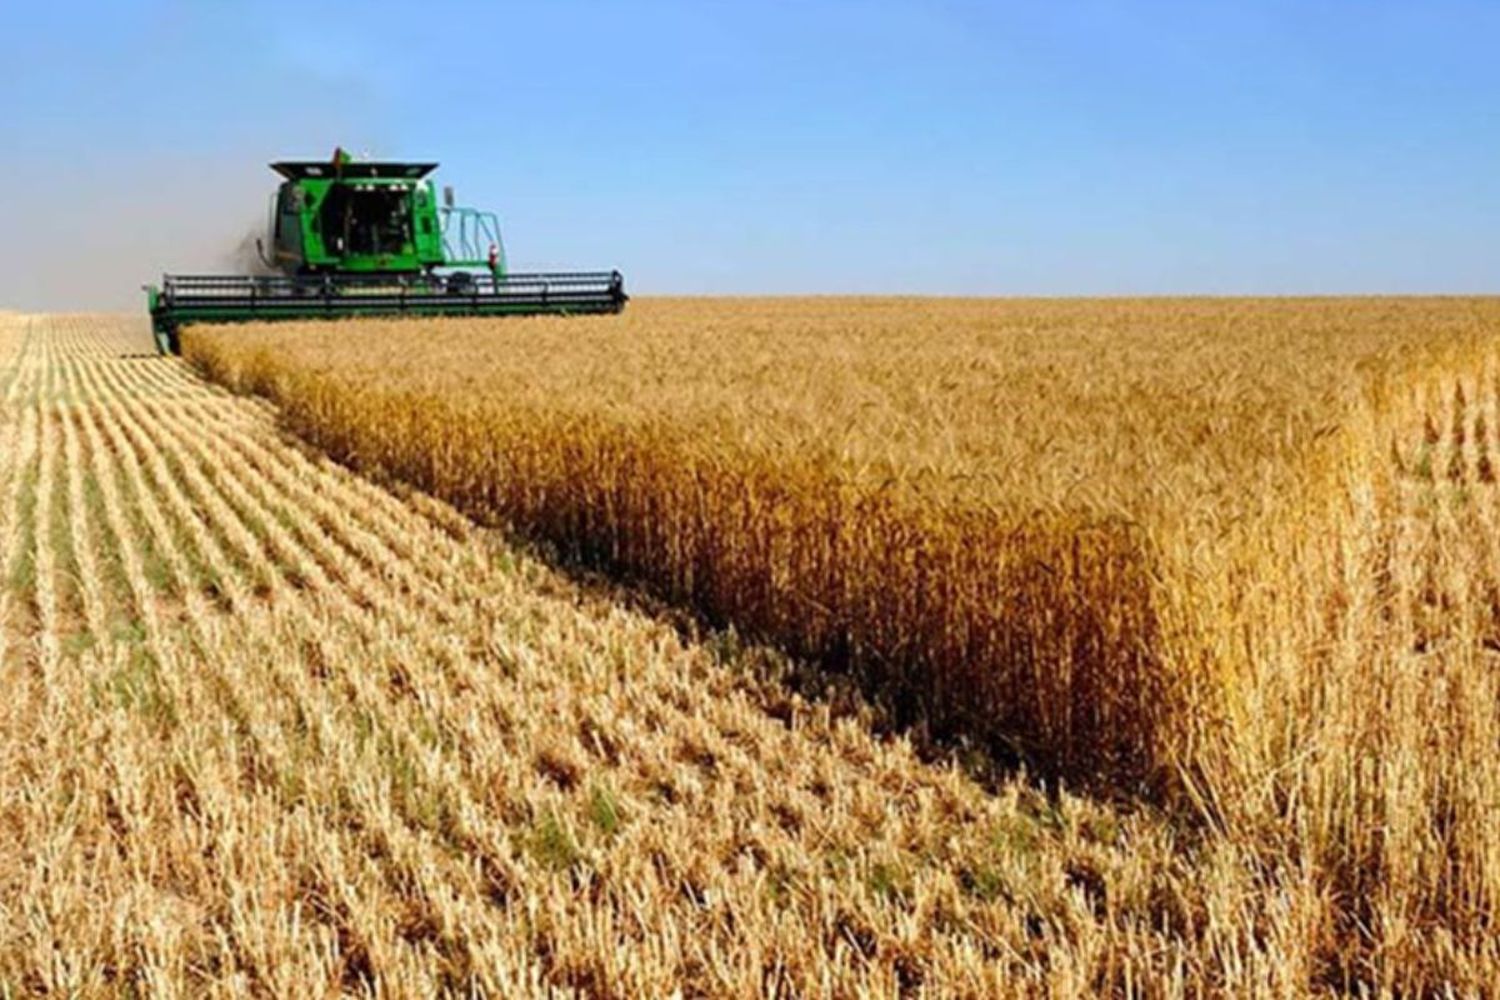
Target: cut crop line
[415, 716]
[230, 687]
[130, 539]
[16, 368]
[278, 498]
[458, 574]
[254, 500]
[17, 558]
[48, 612]
[144, 459]
[389, 603]
[119, 529]
[277, 506]
[259, 733]
[238, 495]
[388, 516]
[276, 567]
[85, 542]
[204, 507]
[335, 512]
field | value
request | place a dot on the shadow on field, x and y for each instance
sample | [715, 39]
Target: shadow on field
[781, 685]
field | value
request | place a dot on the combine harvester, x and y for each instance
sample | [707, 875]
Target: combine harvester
[352, 238]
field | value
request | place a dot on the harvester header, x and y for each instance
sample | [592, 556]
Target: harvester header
[369, 238]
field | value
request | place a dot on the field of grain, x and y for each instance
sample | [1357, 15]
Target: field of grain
[273, 729]
[1088, 530]
[1237, 557]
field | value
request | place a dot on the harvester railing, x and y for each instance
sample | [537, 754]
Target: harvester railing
[468, 234]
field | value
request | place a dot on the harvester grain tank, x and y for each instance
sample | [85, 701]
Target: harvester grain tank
[353, 238]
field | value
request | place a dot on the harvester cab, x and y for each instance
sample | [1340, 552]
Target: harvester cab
[365, 218]
[351, 238]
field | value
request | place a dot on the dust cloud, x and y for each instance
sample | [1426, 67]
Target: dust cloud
[245, 256]
[87, 234]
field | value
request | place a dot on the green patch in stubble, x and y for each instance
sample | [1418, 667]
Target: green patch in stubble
[75, 644]
[136, 686]
[21, 574]
[604, 811]
[110, 564]
[889, 882]
[552, 846]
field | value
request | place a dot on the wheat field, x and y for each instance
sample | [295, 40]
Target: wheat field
[274, 729]
[1234, 556]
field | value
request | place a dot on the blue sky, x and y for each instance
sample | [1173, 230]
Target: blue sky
[947, 147]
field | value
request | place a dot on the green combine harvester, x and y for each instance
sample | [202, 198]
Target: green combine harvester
[351, 238]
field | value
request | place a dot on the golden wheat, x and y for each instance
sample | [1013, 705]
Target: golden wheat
[272, 729]
[1040, 523]
[1236, 550]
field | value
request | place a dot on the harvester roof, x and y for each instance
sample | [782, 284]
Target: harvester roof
[294, 170]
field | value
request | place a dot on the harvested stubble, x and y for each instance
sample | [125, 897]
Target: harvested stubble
[1237, 551]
